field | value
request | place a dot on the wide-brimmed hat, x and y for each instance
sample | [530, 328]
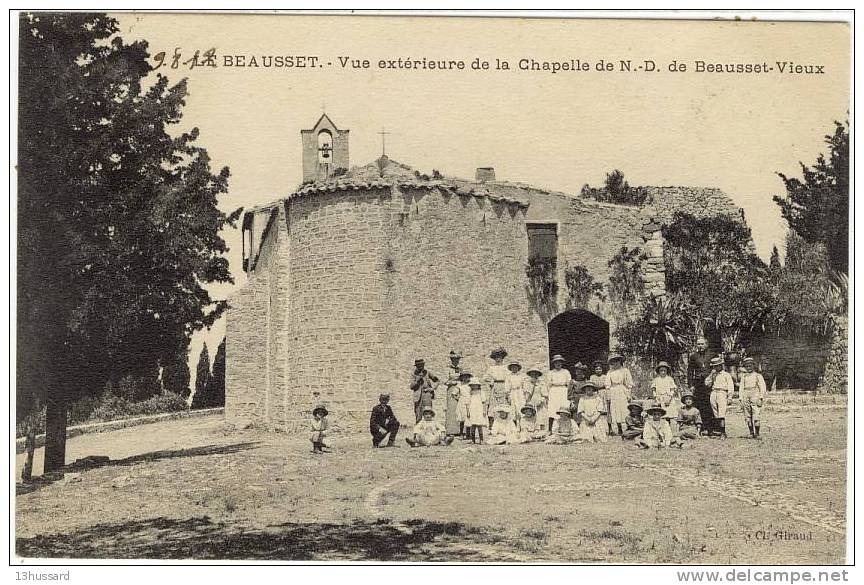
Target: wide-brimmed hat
[528, 409]
[455, 354]
[557, 358]
[687, 395]
[535, 368]
[320, 408]
[716, 361]
[475, 381]
[615, 357]
[563, 410]
[419, 361]
[499, 351]
[748, 360]
[514, 363]
[503, 409]
[654, 408]
[580, 366]
[586, 386]
[663, 365]
[635, 405]
[429, 409]
[464, 373]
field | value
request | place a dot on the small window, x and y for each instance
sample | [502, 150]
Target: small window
[542, 240]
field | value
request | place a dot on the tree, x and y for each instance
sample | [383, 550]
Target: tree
[710, 264]
[213, 394]
[202, 378]
[118, 224]
[817, 207]
[175, 375]
[774, 264]
[803, 285]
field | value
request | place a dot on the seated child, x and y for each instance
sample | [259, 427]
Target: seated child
[428, 432]
[529, 426]
[657, 432]
[592, 412]
[635, 422]
[503, 428]
[689, 419]
[564, 429]
[320, 430]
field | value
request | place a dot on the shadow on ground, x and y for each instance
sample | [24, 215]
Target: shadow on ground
[200, 538]
[94, 461]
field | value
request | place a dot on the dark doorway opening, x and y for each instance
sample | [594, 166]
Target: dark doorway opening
[579, 336]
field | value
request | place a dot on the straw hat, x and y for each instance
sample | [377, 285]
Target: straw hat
[498, 351]
[514, 363]
[656, 408]
[528, 409]
[320, 408]
[616, 357]
[635, 405]
[475, 381]
[748, 361]
[588, 386]
[464, 374]
[558, 358]
[563, 410]
[663, 365]
[429, 409]
[687, 395]
[536, 368]
[716, 361]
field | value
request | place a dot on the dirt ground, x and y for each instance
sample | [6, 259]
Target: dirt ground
[195, 489]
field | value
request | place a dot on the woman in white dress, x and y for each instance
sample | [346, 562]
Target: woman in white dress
[496, 376]
[558, 381]
[514, 384]
[537, 394]
[619, 391]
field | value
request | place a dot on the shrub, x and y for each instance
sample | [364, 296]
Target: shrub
[581, 287]
[542, 279]
[617, 190]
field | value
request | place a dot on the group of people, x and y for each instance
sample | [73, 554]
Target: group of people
[505, 406]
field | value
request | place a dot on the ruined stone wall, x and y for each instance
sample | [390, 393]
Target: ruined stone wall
[698, 201]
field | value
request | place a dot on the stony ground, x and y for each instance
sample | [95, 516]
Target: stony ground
[195, 489]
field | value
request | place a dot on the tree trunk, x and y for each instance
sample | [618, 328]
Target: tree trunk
[30, 444]
[55, 435]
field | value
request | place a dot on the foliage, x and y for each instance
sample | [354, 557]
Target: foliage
[138, 386]
[617, 190]
[808, 294]
[542, 279]
[710, 264]
[175, 374]
[213, 393]
[660, 332]
[202, 377]
[581, 287]
[626, 282]
[817, 207]
[118, 224]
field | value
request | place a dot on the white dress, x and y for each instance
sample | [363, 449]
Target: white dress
[477, 408]
[537, 396]
[514, 385]
[666, 393]
[618, 394]
[559, 382]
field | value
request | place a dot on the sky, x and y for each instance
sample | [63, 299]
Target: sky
[554, 130]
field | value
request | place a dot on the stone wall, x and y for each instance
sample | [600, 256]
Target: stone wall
[698, 201]
[796, 361]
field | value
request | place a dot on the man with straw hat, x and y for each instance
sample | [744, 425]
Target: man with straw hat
[423, 385]
[722, 387]
[751, 393]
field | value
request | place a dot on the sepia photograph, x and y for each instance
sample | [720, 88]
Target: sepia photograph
[439, 287]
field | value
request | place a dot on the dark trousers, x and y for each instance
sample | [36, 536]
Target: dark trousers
[702, 401]
[392, 427]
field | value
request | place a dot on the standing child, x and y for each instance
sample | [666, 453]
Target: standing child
[477, 403]
[529, 426]
[689, 418]
[599, 379]
[665, 391]
[574, 393]
[462, 406]
[536, 394]
[320, 430]
[722, 387]
[514, 385]
[657, 433]
[496, 376]
[503, 430]
[592, 412]
[619, 392]
[751, 393]
[559, 384]
[635, 422]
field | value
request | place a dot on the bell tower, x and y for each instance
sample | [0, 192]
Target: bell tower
[325, 150]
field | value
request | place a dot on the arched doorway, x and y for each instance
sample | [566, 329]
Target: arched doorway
[579, 336]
